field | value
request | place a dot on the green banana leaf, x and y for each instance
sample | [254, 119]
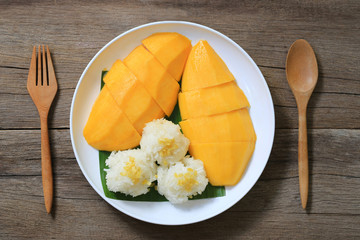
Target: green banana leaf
[152, 195]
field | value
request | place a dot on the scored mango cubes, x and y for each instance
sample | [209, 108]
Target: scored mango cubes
[174, 61]
[137, 90]
[131, 96]
[156, 80]
[108, 128]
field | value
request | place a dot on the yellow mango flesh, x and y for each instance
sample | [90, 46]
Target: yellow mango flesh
[226, 127]
[212, 100]
[215, 116]
[204, 68]
[108, 128]
[171, 49]
[149, 71]
[131, 96]
[224, 162]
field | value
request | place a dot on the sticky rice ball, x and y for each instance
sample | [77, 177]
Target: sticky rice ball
[130, 172]
[164, 142]
[182, 180]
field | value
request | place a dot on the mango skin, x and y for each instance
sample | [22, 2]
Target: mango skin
[204, 68]
[223, 98]
[171, 49]
[159, 84]
[108, 128]
[131, 96]
[225, 162]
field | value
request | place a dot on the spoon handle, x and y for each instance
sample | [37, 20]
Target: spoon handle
[303, 158]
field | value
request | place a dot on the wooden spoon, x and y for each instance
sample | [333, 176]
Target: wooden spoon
[302, 75]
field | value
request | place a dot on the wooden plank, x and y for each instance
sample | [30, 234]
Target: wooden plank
[334, 171]
[75, 31]
[329, 194]
[333, 101]
[259, 214]
[336, 96]
[330, 152]
[259, 28]
[21, 152]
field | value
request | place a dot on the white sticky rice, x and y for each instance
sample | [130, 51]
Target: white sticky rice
[133, 171]
[184, 179]
[164, 142]
[130, 172]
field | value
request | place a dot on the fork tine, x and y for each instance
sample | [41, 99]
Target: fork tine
[39, 80]
[51, 71]
[44, 68]
[32, 69]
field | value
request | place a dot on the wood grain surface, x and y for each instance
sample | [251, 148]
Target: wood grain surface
[75, 31]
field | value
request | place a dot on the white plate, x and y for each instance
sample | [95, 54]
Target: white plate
[248, 77]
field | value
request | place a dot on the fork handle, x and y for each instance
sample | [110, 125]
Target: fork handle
[46, 171]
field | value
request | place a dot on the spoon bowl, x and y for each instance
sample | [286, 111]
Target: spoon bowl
[301, 67]
[302, 76]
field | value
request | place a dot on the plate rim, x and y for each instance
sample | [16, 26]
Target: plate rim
[181, 23]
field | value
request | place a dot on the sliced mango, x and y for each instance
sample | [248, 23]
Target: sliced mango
[212, 100]
[108, 128]
[171, 49]
[160, 85]
[204, 68]
[215, 116]
[131, 96]
[226, 127]
[224, 162]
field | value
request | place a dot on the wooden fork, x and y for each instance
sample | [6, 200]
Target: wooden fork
[42, 87]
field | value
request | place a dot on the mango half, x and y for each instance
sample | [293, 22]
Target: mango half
[215, 117]
[137, 90]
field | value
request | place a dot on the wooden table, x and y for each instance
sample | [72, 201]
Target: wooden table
[75, 31]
